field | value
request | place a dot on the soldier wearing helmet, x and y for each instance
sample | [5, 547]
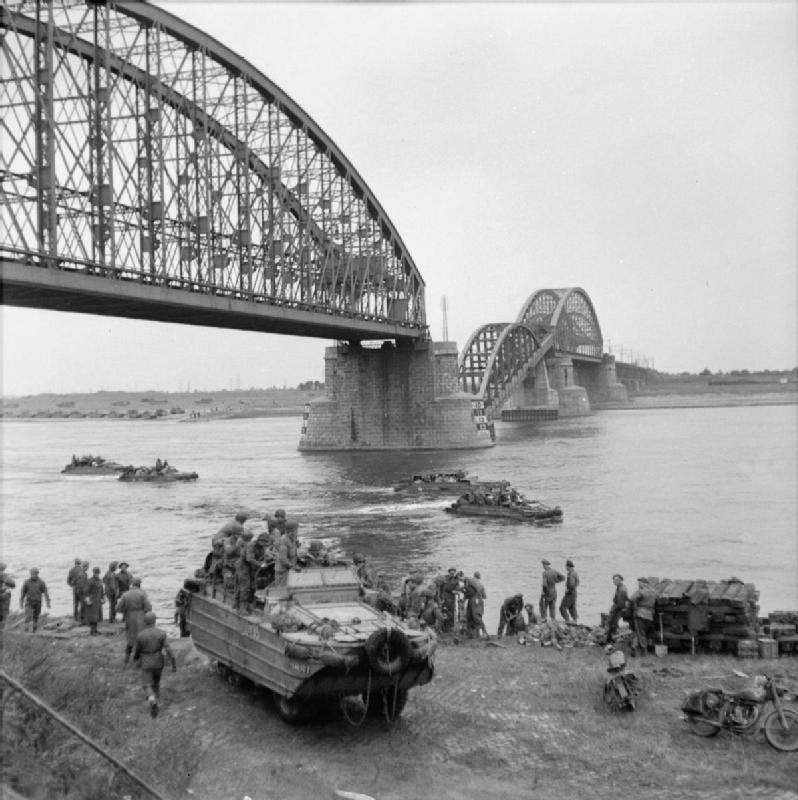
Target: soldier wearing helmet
[249, 563]
[151, 645]
[287, 551]
[363, 573]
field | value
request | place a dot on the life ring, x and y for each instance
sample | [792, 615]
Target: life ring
[388, 650]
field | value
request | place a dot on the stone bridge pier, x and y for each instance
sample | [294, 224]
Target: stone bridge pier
[400, 396]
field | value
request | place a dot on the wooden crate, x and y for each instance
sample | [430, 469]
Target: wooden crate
[768, 648]
[748, 648]
[779, 629]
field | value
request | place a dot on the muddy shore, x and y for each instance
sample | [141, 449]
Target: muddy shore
[499, 720]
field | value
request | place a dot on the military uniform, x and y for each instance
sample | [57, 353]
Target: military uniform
[618, 607]
[111, 586]
[94, 601]
[133, 605]
[643, 602]
[148, 653]
[72, 577]
[568, 604]
[548, 594]
[34, 590]
[511, 616]
[286, 554]
[246, 569]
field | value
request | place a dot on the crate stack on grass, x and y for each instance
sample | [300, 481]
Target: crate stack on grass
[718, 615]
[782, 627]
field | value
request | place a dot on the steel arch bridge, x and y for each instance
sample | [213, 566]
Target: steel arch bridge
[148, 171]
[498, 357]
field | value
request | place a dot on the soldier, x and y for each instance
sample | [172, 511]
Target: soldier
[30, 598]
[449, 587]
[6, 585]
[568, 604]
[182, 600]
[511, 616]
[286, 555]
[643, 602]
[111, 586]
[548, 593]
[72, 577]
[231, 551]
[132, 605]
[248, 565]
[94, 601]
[475, 608]
[123, 578]
[363, 573]
[81, 588]
[618, 607]
[431, 613]
[148, 653]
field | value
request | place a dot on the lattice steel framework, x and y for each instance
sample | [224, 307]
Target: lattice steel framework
[138, 148]
[496, 360]
[498, 356]
[570, 314]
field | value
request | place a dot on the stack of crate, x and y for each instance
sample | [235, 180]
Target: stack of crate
[731, 605]
[783, 626]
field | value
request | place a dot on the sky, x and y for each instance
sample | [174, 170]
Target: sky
[645, 152]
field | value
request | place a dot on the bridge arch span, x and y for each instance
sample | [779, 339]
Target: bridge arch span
[141, 149]
[497, 359]
[570, 314]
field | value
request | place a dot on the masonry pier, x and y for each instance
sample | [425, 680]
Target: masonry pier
[403, 396]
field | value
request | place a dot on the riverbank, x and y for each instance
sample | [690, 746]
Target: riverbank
[499, 720]
[661, 391]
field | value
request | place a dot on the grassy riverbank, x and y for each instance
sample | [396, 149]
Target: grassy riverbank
[499, 720]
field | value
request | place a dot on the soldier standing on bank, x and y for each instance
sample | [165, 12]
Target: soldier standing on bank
[95, 595]
[30, 598]
[6, 585]
[568, 604]
[618, 607]
[111, 586]
[72, 578]
[148, 653]
[548, 593]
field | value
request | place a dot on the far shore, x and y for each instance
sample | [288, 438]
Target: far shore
[198, 406]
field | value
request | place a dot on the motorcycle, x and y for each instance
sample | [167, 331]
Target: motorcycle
[621, 687]
[708, 711]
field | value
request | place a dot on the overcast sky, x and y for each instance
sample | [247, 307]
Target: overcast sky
[645, 152]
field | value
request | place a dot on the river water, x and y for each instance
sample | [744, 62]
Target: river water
[678, 493]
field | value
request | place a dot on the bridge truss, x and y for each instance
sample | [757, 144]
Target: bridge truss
[137, 149]
[552, 322]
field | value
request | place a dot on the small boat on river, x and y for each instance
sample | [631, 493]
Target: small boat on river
[520, 509]
[92, 465]
[312, 640]
[154, 475]
[448, 482]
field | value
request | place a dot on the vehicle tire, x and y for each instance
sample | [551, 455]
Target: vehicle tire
[784, 739]
[387, 700]
[388, 651]
[294, 712]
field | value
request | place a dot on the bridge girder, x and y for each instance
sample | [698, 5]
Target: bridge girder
[551, 322]
[141, 149]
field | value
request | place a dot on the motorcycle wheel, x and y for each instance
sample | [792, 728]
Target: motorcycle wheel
[700, 727]
[784, 738]
[613, 698]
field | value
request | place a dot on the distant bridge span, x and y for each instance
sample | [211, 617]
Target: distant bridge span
[150, 172]
[501, 360]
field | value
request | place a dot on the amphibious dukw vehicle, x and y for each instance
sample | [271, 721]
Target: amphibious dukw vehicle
[312, 639]
[92, 465]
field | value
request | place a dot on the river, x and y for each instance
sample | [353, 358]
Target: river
[679, 493]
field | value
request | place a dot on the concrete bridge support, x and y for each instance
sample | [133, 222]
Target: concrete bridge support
[601, 382]
[572, 399]
[398, 397]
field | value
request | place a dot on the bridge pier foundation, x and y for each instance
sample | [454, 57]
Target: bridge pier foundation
[572, 399]
[398, 397]
[601, 382]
